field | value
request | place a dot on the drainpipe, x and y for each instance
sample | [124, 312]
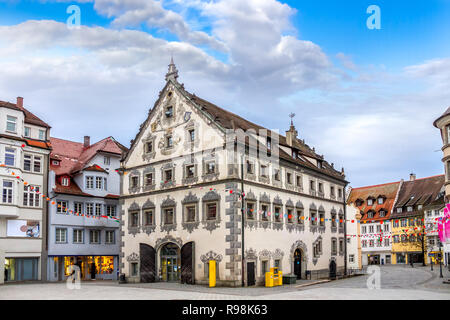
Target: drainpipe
[345, 230]
[242, 219]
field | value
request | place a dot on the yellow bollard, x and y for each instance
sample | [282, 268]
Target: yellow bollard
[212, 273]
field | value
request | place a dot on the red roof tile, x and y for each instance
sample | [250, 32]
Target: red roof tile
[388, 190]
[73, 156]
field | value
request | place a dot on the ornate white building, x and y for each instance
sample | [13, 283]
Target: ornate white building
[186, 179]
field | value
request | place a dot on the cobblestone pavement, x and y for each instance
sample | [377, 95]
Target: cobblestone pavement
[397, 282]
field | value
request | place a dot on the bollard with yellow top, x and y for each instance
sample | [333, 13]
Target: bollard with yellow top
[274, 278]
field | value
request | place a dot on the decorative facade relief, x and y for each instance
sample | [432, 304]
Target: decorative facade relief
[134, 257]
[168, 238]
[211, 255]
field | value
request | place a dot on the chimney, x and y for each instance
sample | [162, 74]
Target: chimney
[412, 176]
[19, 102]
[87, 141]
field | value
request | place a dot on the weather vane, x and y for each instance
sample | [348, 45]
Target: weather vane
[291, 115]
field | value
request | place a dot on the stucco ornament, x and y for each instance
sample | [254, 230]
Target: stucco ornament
[211, 255]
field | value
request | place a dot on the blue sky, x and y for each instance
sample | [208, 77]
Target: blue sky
[354, 90]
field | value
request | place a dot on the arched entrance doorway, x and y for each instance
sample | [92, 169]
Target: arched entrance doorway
[332, 270]
[170, 262]
[298, 263]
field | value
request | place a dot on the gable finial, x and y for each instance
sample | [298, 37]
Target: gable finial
[172, 73]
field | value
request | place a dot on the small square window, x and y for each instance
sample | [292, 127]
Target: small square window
[211, 167]
[168, 175]
[169, 112]
[190, 171]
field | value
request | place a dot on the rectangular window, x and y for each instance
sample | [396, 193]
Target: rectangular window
[313, 218]
[109, 237]
[41, 134]
[289, 177]
[276, 263]
[169, 142]
[148, 217]
[61, 206]
[61, 235]
[89, 182]
[190, 213]
[78, 236]
[134, 269]
[264, 209]
[134, 219]
[27, 132]
[371, 229]
[386, 242]
[298, 181]
[190, 171]
[149, 146]
[65, 182]
[11, 123]
[264, 267]
[351, 258]
[250, 166]
[98, 209]
[89, 209]
[263, 171]
[105, 184]
[289, 216]
[322, 219]
[211, 211]
[94, 236]
[7, 191]
[10, 155]
[31, 196]
[386, 227]
[168, 175]
[134, 181]
[276, 174]
[110, 210]
[211, 167]
[98, 182]
[300, 216]
[168, 216]
[192, 135]
[27, 159]
[277, 214]
[37, 164]
[169, 112]
[250, 210]
[78, 207]
[107, 160]
[404, 222]
[148, 179]
[312, 185]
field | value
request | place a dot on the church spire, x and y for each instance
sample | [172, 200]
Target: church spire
[173, 72]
